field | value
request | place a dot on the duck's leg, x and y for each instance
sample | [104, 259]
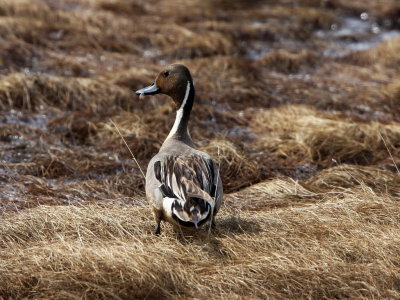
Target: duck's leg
[213, 223]
[157, 229]
[158, 217]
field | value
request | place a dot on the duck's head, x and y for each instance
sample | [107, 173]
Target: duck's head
[175, 81]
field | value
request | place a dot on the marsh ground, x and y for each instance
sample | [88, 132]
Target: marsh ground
[298, 101]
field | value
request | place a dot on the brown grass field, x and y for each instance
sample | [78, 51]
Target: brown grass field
[297, 101]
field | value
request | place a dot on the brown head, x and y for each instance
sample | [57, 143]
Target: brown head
[175, 81]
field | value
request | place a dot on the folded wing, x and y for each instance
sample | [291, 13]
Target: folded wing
[186, 177]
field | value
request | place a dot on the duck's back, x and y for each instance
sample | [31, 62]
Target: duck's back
[180, 171]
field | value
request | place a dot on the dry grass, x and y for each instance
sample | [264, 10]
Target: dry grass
[304, 133]
[383, 57]
[392, 92]
[348, 176]
[305, 251]
[33, 92]
[308, 146]
[236, 169]
[286, 62]
[279, 192]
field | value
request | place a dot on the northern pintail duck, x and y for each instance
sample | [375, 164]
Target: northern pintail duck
[183, 184]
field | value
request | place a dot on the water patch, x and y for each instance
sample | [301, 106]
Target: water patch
[256, 49]
[245, 134]
[13, 197]
[15, 117]
[354, 34]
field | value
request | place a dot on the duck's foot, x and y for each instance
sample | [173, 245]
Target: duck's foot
[157, 229]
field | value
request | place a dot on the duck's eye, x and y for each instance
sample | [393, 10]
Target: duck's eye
[166, 73]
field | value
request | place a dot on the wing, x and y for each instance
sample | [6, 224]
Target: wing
[187, 176]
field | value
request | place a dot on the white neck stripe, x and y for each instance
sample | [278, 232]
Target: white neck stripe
[179, 113]
[186, 96]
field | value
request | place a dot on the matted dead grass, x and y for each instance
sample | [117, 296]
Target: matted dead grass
[383, 56]
[301, 252]
[236, 169]
[278, 192]
[286, 62]
[305, 133]
[33, 92]
[347, 176]
[392, 93]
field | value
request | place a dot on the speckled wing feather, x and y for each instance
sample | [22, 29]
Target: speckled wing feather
[185, 177]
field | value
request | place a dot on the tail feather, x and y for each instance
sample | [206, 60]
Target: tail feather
[193, 213]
